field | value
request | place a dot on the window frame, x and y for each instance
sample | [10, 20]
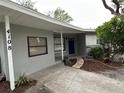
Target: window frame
[46, 46]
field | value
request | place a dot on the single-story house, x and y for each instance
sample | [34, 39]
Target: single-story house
[31, 41]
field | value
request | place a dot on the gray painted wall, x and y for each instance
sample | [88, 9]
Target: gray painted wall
[23, 63]
[91, 39]
[81, 42]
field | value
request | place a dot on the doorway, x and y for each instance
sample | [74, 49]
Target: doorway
[71, 46]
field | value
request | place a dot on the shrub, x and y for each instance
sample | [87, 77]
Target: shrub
[22, 80]
[97, 52]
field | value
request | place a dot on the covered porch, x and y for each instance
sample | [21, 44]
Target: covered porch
[69, 45]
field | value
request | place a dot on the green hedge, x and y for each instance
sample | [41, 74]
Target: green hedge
[97, 52]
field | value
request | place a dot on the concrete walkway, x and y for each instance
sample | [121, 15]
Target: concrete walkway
[62, 79]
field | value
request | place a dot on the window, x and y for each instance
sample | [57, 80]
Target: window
[57, 44]
[37, 46]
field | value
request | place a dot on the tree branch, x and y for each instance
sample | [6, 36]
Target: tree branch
[116, 11]
[108, 7]
[117, 5]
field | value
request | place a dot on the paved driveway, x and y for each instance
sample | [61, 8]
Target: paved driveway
[62, 79]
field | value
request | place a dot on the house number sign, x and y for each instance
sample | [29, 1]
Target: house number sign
[9, 40]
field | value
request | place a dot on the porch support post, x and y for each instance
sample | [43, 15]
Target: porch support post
[62, 46]
[9, 53]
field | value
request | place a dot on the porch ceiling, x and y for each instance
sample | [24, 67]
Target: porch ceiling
[26, 17]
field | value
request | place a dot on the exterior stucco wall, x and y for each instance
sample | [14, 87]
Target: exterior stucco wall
[23, 63]
[91, 39]
[81, 42]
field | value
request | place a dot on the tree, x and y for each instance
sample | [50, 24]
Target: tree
[27, 3]
[117, 6]
[111, 34]
[60, 15]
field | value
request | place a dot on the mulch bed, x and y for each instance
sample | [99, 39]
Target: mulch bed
[97, 66]
[5, 88]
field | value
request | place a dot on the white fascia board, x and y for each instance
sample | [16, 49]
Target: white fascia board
[91, 30]
[19, 8]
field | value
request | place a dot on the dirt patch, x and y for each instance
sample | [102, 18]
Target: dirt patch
[5, 88]
[97, 66]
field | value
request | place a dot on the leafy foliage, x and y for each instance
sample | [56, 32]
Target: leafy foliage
[111, 34]
[22, 80]
[97, 52]
[60, 15]
[27, 3]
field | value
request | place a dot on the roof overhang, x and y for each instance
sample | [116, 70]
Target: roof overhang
[90, 31]
[20, 15]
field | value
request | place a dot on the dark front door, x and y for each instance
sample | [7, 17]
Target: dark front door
[71, 46]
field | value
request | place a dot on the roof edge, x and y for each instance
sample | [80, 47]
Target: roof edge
[22, 9]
